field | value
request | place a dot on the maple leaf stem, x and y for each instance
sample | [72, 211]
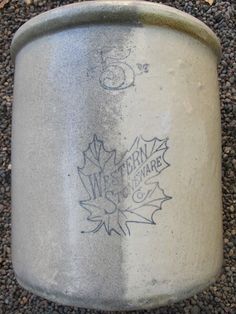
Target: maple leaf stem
[95, 229]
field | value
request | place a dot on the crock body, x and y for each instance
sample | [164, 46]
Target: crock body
[116, 169]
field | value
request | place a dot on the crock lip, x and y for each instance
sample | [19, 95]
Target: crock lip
[113, 12]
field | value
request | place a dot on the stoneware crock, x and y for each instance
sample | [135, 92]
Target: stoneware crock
[116, 146]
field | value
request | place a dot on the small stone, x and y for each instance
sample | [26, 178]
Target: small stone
[24, 300]
[195, 310]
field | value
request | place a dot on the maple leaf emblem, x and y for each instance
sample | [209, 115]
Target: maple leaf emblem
[124, 191]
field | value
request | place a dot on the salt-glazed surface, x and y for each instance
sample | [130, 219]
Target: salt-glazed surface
[116, 165]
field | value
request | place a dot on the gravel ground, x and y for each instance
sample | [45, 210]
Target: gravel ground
[220, 297]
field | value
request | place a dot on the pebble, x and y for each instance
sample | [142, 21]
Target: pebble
[220, 297]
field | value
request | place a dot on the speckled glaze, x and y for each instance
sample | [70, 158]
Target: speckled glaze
[116, 170]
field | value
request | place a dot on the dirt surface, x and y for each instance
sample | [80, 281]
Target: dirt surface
[220, 297]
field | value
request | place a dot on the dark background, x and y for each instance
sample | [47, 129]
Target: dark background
[220, 297]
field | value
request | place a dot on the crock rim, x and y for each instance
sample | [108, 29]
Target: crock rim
[137, 13]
